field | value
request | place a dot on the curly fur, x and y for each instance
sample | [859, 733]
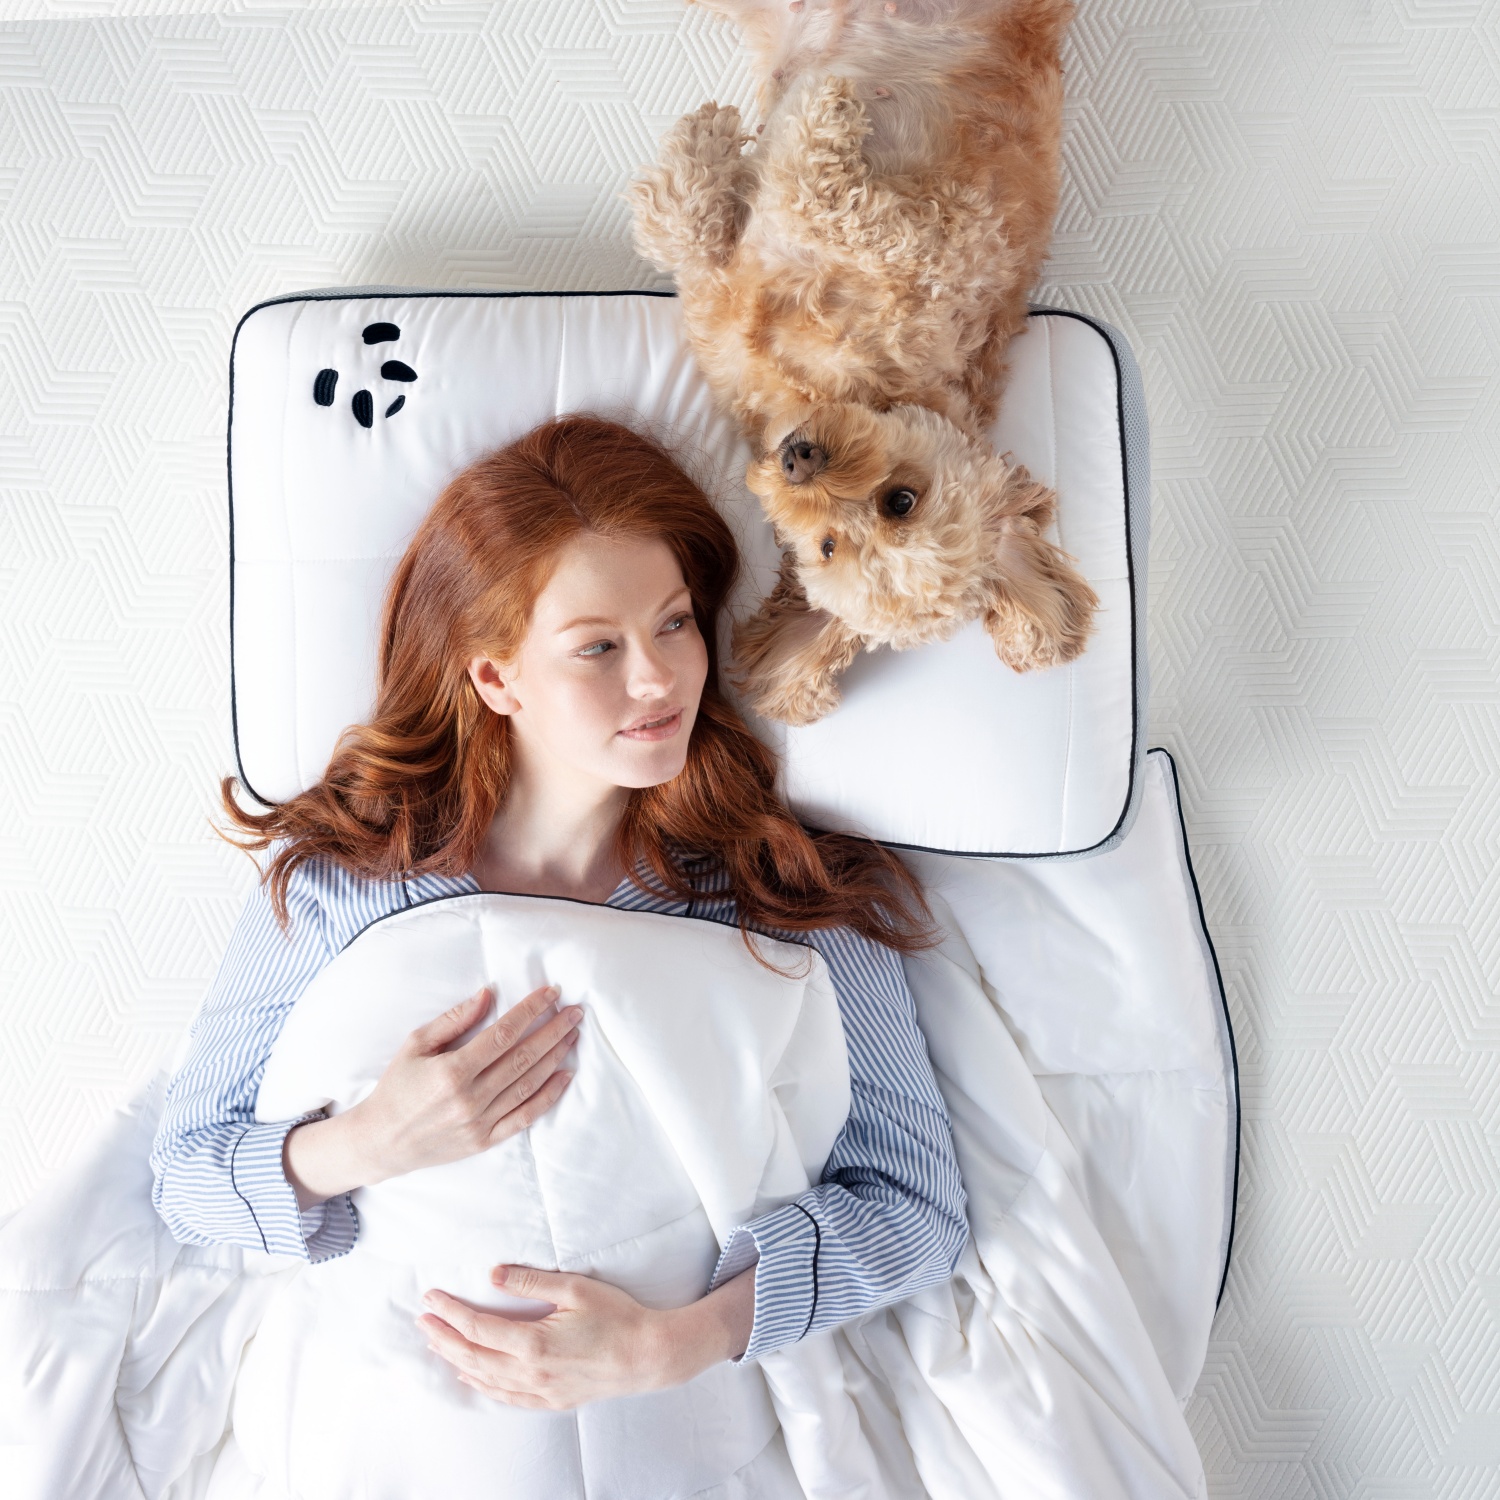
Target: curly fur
[850, 278]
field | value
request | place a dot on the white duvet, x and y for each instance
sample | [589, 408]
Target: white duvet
[1052, 1364]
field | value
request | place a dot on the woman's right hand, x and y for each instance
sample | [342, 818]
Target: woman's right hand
[433, 1105]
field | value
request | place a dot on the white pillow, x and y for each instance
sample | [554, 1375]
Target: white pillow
[942, 748]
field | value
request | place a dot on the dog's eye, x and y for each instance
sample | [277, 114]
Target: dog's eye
[827, 547]
[900, 502]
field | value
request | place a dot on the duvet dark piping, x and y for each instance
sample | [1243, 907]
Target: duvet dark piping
[667, 916]
[1234, 1058]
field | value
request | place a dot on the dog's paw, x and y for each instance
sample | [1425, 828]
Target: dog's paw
[776, 673]
[788, 656]
[688, 207]
[712, 135]
[792, 703]
[1029, 640]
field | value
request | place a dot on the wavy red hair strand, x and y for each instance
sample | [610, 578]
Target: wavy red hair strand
[414, 790]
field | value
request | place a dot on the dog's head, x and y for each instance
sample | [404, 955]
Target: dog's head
[893, 516]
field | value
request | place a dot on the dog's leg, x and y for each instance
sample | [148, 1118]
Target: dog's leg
[1041, 608]
[789, 655]
[823, 182]
[690, 207]
[827, 197]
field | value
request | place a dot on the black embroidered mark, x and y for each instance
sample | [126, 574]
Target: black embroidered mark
[362, 404]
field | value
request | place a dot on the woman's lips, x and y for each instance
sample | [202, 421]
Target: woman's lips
[657, 727]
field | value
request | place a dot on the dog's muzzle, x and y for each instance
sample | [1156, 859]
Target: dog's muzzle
[800, 460]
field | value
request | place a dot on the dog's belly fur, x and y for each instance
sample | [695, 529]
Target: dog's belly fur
[780, 334]
[954, 108]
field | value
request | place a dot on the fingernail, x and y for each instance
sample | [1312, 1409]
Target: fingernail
[498, 1275]
[553, 992]
[429, 1299]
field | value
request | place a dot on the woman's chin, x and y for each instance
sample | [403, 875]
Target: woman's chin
[642, 768]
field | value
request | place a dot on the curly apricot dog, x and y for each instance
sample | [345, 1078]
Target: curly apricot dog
[850, 277]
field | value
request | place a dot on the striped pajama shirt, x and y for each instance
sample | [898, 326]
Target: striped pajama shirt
[886, 1220]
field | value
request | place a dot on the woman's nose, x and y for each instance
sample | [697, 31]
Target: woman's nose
[651, 674]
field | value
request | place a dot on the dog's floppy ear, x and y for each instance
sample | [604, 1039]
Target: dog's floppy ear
[1041, 607]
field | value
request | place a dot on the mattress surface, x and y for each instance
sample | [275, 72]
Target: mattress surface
[1290, 211]
[351, 411]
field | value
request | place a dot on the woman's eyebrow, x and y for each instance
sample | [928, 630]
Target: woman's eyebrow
[598, 620]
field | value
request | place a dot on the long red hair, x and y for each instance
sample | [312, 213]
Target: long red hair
[414, 790]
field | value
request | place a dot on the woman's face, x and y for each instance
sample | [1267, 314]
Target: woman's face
[607, 681]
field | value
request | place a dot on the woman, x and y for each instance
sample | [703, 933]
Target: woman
[549, 722]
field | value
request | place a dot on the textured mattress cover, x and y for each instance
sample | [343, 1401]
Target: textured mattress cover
[1290, 211]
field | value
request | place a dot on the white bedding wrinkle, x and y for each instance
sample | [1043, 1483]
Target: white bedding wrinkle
[118, 1346]
[1052, 1364]
[708, 1091]
[1105, 977]
[721, 1088]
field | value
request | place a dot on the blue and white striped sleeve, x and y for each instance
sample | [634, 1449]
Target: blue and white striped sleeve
[219, 1177]
[888, 1217]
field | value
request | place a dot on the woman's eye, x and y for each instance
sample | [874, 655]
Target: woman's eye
[597, 649]
[677, 622]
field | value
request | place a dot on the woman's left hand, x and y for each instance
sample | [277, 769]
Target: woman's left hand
[598, 1341]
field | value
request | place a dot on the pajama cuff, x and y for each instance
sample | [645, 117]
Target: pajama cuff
[259, 1179]
[783, 1248]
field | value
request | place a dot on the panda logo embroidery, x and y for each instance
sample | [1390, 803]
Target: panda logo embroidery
[363, 403]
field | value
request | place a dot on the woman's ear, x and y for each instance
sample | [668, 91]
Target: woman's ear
[493, 684]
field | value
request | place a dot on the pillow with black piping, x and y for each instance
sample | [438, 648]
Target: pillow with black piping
[350, 409]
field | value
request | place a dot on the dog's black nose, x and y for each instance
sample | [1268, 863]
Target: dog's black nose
[800, 460]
